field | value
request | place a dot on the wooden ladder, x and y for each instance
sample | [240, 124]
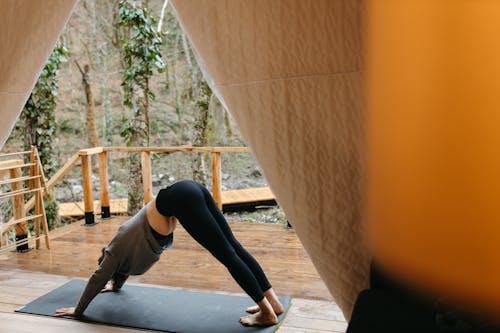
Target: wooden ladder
[20, 186]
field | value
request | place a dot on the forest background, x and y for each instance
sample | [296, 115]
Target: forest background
[123, 73]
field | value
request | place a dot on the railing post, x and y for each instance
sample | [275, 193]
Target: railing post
[18, 205]
[39, 183]
[216, 181]
[32, 185]
[88, 196]
[104, 185]
[147, 183]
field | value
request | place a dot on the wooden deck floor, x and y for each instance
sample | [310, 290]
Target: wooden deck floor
[75, 249]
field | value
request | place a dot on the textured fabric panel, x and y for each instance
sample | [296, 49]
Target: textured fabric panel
[28, 33]
[290, 73]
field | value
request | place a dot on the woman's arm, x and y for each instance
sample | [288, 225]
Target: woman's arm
[118, 281]
[95, 285]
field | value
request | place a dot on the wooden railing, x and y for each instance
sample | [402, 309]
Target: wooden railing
[85, 156]
[31, 183]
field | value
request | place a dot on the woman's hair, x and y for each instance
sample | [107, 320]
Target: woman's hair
[118, 279]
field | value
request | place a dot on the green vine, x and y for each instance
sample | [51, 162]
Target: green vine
[140, 47]
[39, 123]
[141, 56]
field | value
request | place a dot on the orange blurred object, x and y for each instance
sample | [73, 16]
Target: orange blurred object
[433, 144]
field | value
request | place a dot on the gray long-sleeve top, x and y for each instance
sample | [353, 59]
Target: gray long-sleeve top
[132, 251]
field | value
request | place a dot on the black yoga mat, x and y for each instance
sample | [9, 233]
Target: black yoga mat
[155, 309]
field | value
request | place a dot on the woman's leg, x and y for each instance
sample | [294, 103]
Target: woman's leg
[254, 266]
[188, 204]
[240, 250]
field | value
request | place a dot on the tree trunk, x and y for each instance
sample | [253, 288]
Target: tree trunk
[140, 138]
[29, 132]
[135, 195]
[227, 123]
[93, 137]
[202, 132]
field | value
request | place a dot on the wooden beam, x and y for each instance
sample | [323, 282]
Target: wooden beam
[5, 166]
[147, 184]
[104, 184]
[88, 196]
[16, 193]
[10, 181]
[230, 149]
[16, 154]
[51, 183]
[63, 171]
[39, 183]
[23, 242]
[18, 208]
[8, 167]
[24, 219]
[11, 322]
[216, 179]
[149, 149]
[176, 149]
[91, 151]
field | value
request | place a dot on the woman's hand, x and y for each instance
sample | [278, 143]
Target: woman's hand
[107, 287]
[65, 312]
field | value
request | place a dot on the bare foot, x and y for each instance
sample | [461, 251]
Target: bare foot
[259, 319]
[253, 309]
[277, 307]
[275, 303]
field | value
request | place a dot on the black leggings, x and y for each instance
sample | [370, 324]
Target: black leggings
[196, 210]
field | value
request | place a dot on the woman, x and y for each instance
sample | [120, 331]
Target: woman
[139, 242]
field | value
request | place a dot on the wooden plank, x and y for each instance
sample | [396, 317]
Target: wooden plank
[103, 178]
[7, 166]
[230, 149]
[316, 309]
[317, 324]
[18, 179]
[23, 242]
[176, 149]
[287, 329]
[24, 219]
[24, 323]
[63, 171]
[147, 183]
[8, 307]
[150, 149]
[40, 209]
[16, 153]
[16, 193]
[87, 184]
[21, 226]
[90, 151]
[248, 195]
[58, 176]
[186, 264]
[119, 206]
[216, 179]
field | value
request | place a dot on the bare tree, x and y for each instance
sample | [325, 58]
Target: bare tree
[93, 137]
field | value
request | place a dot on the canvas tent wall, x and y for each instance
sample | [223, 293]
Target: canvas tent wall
[28, 33]
[290, 71]
[290, 75]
